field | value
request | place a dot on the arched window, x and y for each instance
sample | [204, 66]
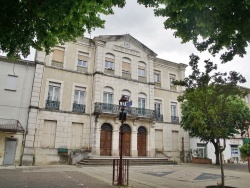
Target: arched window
[126, 65]
[108, 95]
[109, 61]
[126, 93]
[141, 69]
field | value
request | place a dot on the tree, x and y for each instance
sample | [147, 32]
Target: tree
[45, 23]
[209, 24]
[212, 106]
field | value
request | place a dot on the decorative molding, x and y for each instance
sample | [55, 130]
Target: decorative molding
[126, 50]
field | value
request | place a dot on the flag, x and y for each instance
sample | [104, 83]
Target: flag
[129, 103]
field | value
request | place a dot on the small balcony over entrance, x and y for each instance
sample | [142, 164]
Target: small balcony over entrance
[132, 112]
[52, 105]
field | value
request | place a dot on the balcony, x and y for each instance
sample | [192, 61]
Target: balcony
[80, 108]
[52, 105]
[175, 119]
[102, 108]
[158, 117]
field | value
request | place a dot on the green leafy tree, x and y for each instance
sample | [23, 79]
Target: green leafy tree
[212, 106]
[45, 23]
[209, 24]
[245, 151]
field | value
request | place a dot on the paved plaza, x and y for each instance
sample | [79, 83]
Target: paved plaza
[160, 176]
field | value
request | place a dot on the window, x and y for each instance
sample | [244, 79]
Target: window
[11, 83]
[158, 107]
[175, 141]
[53, 100]
[83, 59]
[141, 72]
[141, 69]
[174, 109]
[235, 152]
[126, 65]
[141, 103]
[172, 78]
[174, 113]
[201, 149]
[58, 55]
[109, 61]
[79, 95]
[108, 95]
[54, 91]
[157, 77]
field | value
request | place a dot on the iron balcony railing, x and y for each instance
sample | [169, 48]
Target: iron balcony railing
[52, 105]
[78, 108]
[158, 117]
[174, 119]
[131, 111]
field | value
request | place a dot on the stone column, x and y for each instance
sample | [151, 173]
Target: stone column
[115, 142]
[151, 142]
[134, 142]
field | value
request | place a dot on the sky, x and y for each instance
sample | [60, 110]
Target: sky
[140, 22]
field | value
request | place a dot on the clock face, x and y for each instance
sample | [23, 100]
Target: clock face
[126, 44]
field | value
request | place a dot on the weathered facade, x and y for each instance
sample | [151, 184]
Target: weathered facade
[16, 79]
[74, 103]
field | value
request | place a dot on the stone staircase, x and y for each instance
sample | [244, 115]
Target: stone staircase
[98, 161]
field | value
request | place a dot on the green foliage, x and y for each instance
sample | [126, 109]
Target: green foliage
[245, 150]
[212, 105]
[45, 23]
[209, 24]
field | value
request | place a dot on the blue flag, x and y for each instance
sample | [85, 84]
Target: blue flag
[129, 103]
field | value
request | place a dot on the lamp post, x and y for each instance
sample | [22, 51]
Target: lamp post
[122, 117]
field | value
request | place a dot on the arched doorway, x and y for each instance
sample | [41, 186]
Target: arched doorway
[142, 141]
[126, 140]
[106, 140]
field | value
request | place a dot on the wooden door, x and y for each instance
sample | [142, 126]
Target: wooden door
[126, 140]
[106, 140]
[142, 141]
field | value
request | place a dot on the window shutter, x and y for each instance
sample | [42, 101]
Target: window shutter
[11, 83]
[126, 66]
[109, 59]
[83, 58]
[58, 55]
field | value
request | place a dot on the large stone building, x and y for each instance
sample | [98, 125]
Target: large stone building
[74, 102]
[16, 79]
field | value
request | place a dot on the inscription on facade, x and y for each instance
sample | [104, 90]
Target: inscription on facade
[125, 50]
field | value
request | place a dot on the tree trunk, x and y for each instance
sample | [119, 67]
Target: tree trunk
[221, 167]
[217, 153]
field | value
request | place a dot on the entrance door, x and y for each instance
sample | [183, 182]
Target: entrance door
[126, 140]
[141, 141]
[106, 140]
[10, 151]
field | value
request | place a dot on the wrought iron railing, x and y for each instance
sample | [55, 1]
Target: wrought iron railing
[10, 125]
[174, 119]
[53, 105]
[158, 117]
[78, 108]
[131, 111]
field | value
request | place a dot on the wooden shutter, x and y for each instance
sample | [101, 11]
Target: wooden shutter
[83, 58]
[126, 66]
[58, 55]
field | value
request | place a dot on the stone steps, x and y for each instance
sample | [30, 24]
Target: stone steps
[132, 161]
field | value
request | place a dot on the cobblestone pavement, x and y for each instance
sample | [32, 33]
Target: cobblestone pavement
[162, 176]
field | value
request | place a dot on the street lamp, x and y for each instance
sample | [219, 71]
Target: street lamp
[122, 117]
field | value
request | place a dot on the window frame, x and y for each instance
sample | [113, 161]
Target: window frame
[175, 110]
[158, 76]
